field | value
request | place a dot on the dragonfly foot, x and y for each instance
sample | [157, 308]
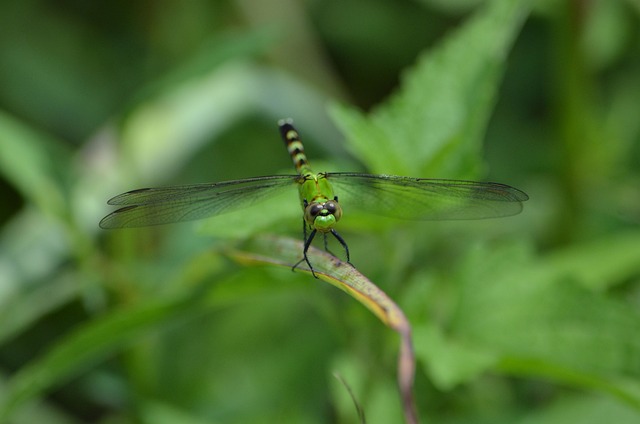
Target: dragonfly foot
[293, 268]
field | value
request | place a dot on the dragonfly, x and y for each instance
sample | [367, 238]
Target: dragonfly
[384, 195]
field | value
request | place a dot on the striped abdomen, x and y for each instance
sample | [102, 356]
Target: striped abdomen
[295, 148]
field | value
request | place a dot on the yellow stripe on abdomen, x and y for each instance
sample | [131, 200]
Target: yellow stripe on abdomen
[294, 145]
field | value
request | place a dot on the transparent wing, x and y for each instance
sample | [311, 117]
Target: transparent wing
[155, 206]
[425, 199]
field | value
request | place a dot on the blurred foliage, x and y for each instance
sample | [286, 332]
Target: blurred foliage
[530, 319]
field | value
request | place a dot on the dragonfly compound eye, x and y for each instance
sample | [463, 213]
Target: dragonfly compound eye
[315, 209]
[334, 209]
[330, 207]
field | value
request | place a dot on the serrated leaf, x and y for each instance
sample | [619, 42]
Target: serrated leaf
[433, 126]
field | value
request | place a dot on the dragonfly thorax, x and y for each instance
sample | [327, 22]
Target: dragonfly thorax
[323, 215]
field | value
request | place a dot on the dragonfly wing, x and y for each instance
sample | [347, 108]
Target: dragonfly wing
[155, 206]
[425, 199]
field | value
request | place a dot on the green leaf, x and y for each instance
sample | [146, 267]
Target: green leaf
[165, 413]
[281, 251]
[583, 410]
[450, 362]
[599, 264]
[433, 126]
[94, 342]
[37, 166]
[20, 310]
[286, 252]
[540, 322]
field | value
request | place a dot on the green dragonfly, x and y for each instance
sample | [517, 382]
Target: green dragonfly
[385, 195]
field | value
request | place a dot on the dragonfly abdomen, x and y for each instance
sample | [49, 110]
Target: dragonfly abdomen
[294, 145]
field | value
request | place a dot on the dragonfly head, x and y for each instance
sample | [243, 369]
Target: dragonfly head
[323, 215]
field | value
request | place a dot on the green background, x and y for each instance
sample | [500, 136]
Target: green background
[528, 319]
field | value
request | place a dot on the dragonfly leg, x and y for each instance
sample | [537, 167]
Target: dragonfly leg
[304, 240]
[305, 258]
[326, 247]
[343, 243]
[304, 229]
